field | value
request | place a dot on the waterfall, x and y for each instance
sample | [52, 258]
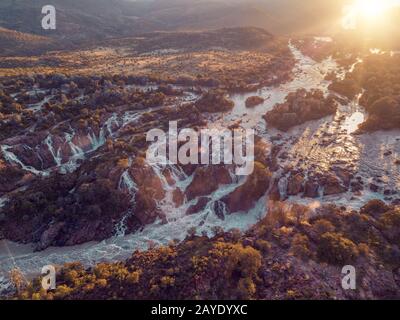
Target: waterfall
[109, 122]
[282, 186]
[3, 201]
[56, 157]
[12, 158]
[126, 182]
[77, 152]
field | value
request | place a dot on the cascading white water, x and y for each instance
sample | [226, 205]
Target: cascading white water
[126, 182]
[56, 156]
[178, 222]
[308, 74]
[3, 201]
[12, 158]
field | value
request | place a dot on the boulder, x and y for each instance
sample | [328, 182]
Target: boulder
[295, 184]
[333, 186]
[254, 101]
[199, 206]
[178, 197]
[311, 188]
[207, 180]
[244, 197]
[49, 236]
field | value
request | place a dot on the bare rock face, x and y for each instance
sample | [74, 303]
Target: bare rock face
[206, 180]
[245, 196]
[254, 101]
[333, 186]
[178, 197]
[295, 184]
[146, 210]
[344, 175]
[49, 236]
[311, 188]
[149, 191]
[263, 152]
[199, 206]
[147, 181]
[274, 193]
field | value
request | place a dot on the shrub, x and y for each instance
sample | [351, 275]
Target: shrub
[133, 277]
[123, 163]
[233, 261]
[323, 226]
[277, 215]
[246, 288]
[167, 281]
[333, 248]
[62, 291]
[263, 245]
[300, 246]
[18, 280]
[391, 219]
[390, 224]
[374, 207]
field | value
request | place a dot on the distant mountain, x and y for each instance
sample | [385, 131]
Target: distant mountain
[76, 19]
[98, 19]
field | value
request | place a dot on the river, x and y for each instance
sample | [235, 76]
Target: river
[357, 151]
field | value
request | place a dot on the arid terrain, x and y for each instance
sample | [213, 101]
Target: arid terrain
[77, 191]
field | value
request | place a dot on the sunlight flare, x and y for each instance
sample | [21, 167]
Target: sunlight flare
[366, 10]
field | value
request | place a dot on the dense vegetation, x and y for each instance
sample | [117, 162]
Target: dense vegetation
[300, 107]
[377, 79]
[292, 253]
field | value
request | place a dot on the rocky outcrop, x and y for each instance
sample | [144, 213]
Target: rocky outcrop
[300, 107]
[146, 209]
[206, 180]
[214, 101]
[254, 101]
[178, 197]
[245, 196]
[332, 186]
[295, 184]
[311, 189]
[199, 206]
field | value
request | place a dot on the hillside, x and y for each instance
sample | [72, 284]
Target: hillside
[79, 20]
[287, 255]
[12, 41]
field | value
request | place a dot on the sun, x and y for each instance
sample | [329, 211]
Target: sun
[370, 11]
[372, 8]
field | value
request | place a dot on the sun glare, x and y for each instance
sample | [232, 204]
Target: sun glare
[372, 8]
[367, 10]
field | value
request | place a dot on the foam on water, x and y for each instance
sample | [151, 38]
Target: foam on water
[56, 156]
[126, 183]
[38, 106]
[309, 74]
[12, 158]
